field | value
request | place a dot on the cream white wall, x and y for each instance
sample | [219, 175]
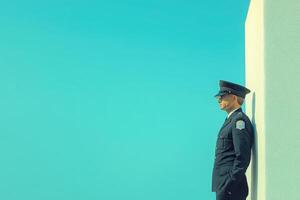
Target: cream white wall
[273, 74]
[255, 102]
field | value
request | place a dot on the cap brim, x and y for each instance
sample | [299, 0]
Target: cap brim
[221, 93]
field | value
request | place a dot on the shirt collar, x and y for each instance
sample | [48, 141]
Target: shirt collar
[232, 112]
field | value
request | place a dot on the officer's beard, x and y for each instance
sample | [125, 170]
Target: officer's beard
[227, 107]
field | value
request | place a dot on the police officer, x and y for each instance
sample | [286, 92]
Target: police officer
[234, 143]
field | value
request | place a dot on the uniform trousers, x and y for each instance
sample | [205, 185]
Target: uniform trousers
[240, 192]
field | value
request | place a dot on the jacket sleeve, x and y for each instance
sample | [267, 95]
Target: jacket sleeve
[242, 147]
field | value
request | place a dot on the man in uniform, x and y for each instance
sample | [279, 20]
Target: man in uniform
[234, 143]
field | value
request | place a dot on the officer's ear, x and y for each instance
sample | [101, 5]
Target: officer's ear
[234, 98]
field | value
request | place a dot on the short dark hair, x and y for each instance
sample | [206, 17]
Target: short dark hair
[240, 100]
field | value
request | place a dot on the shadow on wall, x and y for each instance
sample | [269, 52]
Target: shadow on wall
[254, 155]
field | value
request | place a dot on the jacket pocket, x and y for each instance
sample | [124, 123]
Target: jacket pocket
[224, 170]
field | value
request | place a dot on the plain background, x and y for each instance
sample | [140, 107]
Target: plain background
[113, 100]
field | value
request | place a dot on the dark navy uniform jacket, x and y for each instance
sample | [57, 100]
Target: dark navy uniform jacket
[233, 152]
